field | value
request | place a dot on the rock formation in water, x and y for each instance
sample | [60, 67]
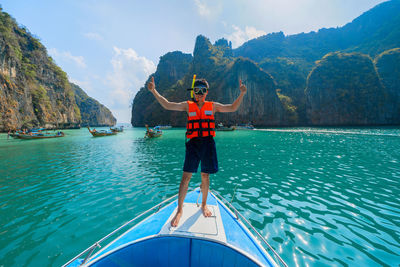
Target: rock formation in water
[373, 32]
[388, 67]
[145, 109]
[34, 91]
[92, 112]
[277, 78]
[260, 106]
[345, 89]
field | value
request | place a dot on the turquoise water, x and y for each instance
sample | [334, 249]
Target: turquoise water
[321, 197]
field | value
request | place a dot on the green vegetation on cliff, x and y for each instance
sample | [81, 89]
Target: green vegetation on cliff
[171, 68]
[317, 78]
[34, 91]
[261, 105]
[371, 33]
[388, 67]
[93, 113]
[345, 88]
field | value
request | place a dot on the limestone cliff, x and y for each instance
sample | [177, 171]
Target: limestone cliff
[344, 89]
[93, 113]
[290, 76]
[34, 91]
[388, 67]
[373, 32]
[145, 109]
[261, 105]
[316, 78]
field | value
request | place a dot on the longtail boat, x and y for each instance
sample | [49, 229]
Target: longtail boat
[151, 133]
[38, 135]
[100, 133]
[244, 127]
[221, 127]
[163, 127]
[220, 240]
[117, 129]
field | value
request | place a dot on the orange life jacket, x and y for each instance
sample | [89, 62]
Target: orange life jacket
[201, 123]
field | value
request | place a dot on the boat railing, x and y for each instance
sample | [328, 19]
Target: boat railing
[89, 251]
[237, 214]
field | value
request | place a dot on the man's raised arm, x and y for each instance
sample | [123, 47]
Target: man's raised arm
[182, 106]
[235, 105]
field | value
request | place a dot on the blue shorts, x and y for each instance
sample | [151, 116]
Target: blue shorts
[201, 149]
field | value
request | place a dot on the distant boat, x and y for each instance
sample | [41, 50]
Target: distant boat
[100, 133]
[30, 132]
[163, 127]
[15, 134]
[36, 130]
[117, 129]
[221, 127]
[224, 239]
[244, 127]
[151, 133]
[38, 135]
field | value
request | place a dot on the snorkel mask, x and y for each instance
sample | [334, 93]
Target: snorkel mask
[201, 90]
[199, 87]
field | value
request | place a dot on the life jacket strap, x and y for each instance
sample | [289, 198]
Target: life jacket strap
[200, 129]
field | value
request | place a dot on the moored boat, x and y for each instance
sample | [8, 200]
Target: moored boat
[244, 127]
[26, 132]
[151, 133]
[15, 134]
[219, 240]
[163, 127]
[221, 127]
[100, 133]
[117, 129]
[38, 135]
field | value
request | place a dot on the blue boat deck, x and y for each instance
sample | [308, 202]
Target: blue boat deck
[219, 240]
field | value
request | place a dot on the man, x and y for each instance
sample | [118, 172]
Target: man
[200, 131]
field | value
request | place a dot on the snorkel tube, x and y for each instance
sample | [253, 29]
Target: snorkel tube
[191, 89]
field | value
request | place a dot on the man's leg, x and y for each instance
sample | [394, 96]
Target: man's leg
[205, 184]
[183, 187]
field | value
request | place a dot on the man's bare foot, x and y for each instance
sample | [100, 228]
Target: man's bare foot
[175, 220]
[206, 211]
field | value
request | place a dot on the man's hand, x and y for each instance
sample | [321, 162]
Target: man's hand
[151, 85]
[218, 107]
[181, 106]
[242, 87]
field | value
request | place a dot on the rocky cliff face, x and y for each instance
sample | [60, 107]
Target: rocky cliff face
[388, 67]
[145, 109]
[93, 113]
[261, 105]
[290, 76]
[345, 89]
[34, 91]
[371, 33]
[303, 79]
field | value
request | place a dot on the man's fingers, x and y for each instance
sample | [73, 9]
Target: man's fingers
[151, 85]
[240, 82]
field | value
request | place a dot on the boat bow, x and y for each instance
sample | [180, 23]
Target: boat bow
[221, 239]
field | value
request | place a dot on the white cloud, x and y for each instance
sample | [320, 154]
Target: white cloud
[202, 8]
[66, 56]
[239, 36]
[209, 9]
[93, 36]
[129, 72]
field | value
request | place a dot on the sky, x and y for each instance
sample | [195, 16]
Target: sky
[110, 47]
